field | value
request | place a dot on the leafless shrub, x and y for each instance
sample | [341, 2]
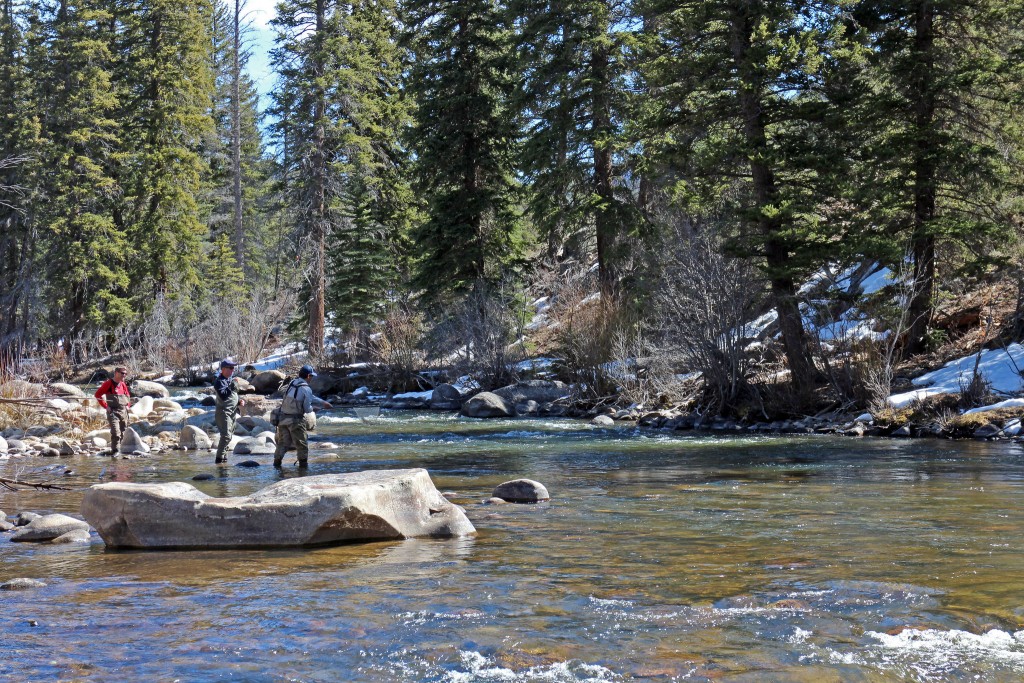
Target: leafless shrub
[394, 348]
[483, 336]
[705, 300]
[595, 336]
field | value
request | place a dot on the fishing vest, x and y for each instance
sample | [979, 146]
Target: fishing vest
[292, 403]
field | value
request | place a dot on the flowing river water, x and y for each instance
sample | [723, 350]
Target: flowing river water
[660, 557]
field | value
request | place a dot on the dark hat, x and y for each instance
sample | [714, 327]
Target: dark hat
[228, 362]
[306, 371]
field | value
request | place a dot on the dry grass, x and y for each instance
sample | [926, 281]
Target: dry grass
[19, 415]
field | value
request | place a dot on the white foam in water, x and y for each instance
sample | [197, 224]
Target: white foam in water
[942, 650]
[481, 668]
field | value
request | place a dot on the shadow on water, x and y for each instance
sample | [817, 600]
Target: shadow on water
[660, 557]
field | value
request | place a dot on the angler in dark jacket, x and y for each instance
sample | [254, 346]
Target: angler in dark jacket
[225, 393]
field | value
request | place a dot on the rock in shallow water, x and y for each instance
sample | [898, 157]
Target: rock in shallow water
[49, 527]
[521, 491]
[329, 508]
[21, 584]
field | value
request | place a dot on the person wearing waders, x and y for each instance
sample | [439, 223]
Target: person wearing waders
[297, 418]
[115, 398]
[225, 394]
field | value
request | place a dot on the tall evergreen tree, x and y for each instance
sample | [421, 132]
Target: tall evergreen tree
[739, 115]
[168, 88]
[88, 282]
[940, 129]
[571, 54]
[365, 255]
[464, 138]
[19, 133]
[302, 59]
[238, 182]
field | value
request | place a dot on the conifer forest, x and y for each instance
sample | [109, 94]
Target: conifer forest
[421, 173]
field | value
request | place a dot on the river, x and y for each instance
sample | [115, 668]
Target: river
[661, 557]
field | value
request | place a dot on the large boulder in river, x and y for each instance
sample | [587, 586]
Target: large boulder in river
[268, 382]
[141, 387]
[301, 511]
[539, 390]
[486, 404]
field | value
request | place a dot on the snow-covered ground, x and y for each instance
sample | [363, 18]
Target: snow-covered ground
[1001, 368]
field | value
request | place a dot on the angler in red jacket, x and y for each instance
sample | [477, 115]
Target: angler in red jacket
[114, 396]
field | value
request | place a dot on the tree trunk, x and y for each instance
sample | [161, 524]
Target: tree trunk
[318, 281]
[601, 132]
[922, 245]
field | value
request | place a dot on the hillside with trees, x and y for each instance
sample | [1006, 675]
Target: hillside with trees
[627, 186]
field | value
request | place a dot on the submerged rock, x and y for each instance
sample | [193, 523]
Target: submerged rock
[48, 527]
[329, 508]
[521, 491]
[21, 584]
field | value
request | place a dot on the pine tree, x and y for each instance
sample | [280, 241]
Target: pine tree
[365, 254]
[465, 140]
[302, 59]
[239, 175]
[572, 56]
[88, 282]
[739, 117]
[168, 87]
[939, 125]
[19, 133]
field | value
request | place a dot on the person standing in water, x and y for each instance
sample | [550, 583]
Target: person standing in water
[116, 399]
[225, 393]
[297, 418]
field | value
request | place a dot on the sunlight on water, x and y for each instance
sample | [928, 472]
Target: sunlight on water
[661, 557]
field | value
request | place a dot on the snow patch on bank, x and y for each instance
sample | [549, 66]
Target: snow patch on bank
[1001, 368]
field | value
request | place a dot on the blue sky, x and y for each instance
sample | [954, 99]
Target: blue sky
[261, 40]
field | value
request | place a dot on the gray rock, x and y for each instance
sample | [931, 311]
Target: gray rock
[268, 382]
[603, 421]
[253, 446]
[855, 430]
[141, 387]
[446, 397]
[62, 389]
[16, 446]
[24, 518]
[247, 463]
[194, 439]
[203, 477]
[527, 408]
[521, 491]
[485, 404]
[21, 584]
[48, 527]
[495, 501]
[902, 432]
[49, 452]
[3, 445]
[987, 431]
[66, 448]
[74, 536]
[131, 442]
[5, 525]
[329, 508]
[539, 390]
[167, 404]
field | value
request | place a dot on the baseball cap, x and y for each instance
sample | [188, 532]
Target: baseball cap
[306, 371]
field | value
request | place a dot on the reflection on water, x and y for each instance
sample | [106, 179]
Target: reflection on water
[660, 557]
